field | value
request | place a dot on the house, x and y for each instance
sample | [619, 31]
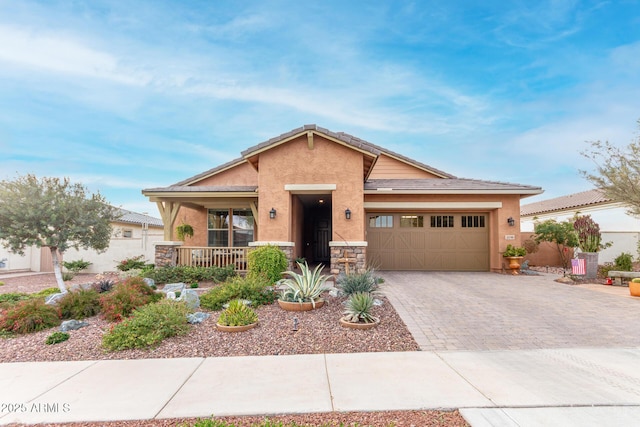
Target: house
[616, 225]
[133, 234]
[333, 198]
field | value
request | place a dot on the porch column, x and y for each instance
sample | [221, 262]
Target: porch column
[168, 213]
[166, 254]
[348, 257]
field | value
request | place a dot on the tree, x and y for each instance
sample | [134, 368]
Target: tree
[560, 233]
[53, 213]
[617, 171]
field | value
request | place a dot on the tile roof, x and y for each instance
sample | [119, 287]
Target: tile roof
[203, 188]
[448, 185]
[137, 218]
[571, 201]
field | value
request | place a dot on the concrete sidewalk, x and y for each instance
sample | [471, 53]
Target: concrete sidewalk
[492, 388]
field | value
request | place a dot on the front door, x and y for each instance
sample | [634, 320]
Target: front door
[322, 235]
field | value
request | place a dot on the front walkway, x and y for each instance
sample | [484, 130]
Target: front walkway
[487, 311]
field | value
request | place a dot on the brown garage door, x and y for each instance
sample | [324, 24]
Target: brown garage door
[428, 241]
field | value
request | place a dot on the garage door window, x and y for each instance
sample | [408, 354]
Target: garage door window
[442, 221]
[472, 221]
[381, 221]
[412, 221]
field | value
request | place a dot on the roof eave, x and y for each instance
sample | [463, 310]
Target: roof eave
[449, 191]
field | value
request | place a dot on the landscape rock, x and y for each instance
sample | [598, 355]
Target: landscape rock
[150, 282]
[173, 287]
[54, 298]
[196, 318]
[377, 302]
[84, 286]
[72, 325]
[190, 297]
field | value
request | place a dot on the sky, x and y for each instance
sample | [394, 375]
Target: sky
[126, 95]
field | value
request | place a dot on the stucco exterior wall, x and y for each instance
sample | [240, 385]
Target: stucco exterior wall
[295, 163]
[387, 167]
[243, 174]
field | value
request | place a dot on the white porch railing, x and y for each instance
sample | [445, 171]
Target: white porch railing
[219, 256]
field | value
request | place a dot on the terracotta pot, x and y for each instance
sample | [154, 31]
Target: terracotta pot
[299, 306]
[514, 263]
[634, 289]
[242, 328]
[352, 325]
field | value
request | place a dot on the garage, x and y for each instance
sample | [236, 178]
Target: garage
[438, 241]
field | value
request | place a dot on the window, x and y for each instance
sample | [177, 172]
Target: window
[411, 221]
[381, 221]
[233, 226]
[442, 221]
[473, 221]
[127, 233]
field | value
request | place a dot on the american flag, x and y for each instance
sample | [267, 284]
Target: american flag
[578, 267]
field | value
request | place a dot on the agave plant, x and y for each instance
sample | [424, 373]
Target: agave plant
[358, 308]
[306, 286]
[237, 314]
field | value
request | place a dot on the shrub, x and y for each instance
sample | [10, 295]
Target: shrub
[194, 285]
[66, 276]
[249, 288]
[29, 316]
[267, 260]
[103, 285]
[148, 326]
[126, 297]
[358, 308]
[603, 270]
[624, 262]
[136, 262]
[1, 283]
[13, 297]
[189, 274]
[76, 266]
[304, 287]
[57, 337]
[45, 292]
[359, 282]
[237, 314]
[79, 304]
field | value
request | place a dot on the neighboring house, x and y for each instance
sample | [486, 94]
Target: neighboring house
[134, 234]
[336, 199]
[616, 225]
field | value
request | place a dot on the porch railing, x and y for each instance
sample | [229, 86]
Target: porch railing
[219, 256]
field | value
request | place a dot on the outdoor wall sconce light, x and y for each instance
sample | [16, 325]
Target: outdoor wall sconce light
[347, 213]
[511, 221]
[272, 213]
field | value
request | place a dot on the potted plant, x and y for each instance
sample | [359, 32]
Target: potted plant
[514, 255]
[237, 318]
[634, 287]
[589, 242]
[357, 313]
[184, 230]
[302, 292]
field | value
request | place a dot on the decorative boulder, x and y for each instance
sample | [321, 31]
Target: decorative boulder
[150, 282]
[72, 325]
[377, 302]
[191, 298]
[54, 298]
[174, 287]
[196, 318]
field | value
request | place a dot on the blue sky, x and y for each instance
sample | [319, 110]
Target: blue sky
[126, 95]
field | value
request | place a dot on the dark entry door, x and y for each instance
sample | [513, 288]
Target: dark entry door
[322, 235]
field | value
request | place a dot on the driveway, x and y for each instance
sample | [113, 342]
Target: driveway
[488, 311]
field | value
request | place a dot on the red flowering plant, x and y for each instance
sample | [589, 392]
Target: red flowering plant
[136, 262]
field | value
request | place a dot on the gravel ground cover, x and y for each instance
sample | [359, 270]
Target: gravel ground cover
[317, 331]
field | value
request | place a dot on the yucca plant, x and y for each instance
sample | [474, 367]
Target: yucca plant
[306, 286]
[358, 308]
[237, 314]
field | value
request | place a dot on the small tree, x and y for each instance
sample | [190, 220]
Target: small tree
[560, 233]
[53, 213]
[617, 171]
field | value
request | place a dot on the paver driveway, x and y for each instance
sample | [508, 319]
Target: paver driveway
[487, 311]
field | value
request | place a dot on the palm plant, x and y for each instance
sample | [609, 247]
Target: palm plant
[304, 287]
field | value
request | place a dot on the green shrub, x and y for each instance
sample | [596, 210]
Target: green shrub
[624, 262]
[636, 280]
[136, 262]
[237, 314]
[126, 297]
[358, 308]
[76, 266]
[250, 288]
[189, 274]
[29, 316]
[66, 276]
[148, 326]
[13, 297]
[359, 282]
[45, 292]
[194, 285]
[1, 283]
[79, 304]
[57, 337]
[267, 260]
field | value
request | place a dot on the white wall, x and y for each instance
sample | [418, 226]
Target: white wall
[30, 260]
[616, 226]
